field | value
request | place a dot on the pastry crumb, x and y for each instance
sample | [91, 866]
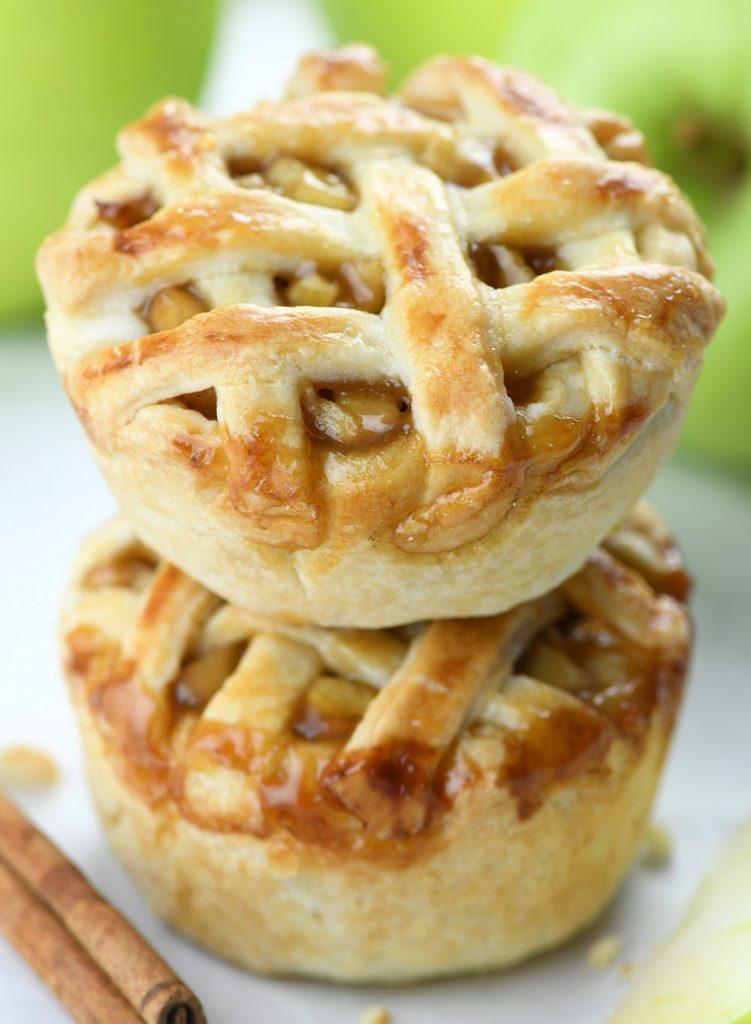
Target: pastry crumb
[657, 847]
[627, 968]
[604, 951]
[26, 767]
[376, 1015]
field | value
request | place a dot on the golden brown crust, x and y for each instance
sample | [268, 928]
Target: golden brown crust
[231, 746]
[354, 68]
[617, 135]
[469, 243]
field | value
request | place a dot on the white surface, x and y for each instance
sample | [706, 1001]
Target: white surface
[52, 496]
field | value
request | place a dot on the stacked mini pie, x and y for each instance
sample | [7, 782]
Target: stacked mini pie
[377, 673]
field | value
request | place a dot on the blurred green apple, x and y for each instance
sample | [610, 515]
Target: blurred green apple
[702, 974]
[76, 71]
[409, 31]
[682, 71]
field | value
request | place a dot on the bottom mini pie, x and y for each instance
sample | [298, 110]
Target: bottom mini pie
[377, 804]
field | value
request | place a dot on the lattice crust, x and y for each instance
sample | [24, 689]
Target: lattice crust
[254, 724]
[461, 270]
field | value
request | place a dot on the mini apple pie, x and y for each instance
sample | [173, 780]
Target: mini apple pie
[363, 360]
[377, 804]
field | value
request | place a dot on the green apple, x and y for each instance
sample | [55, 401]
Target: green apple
[702, 974]
[681, 70]
[409, 31]
[75, 72]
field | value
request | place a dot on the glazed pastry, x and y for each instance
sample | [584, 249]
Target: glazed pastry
[362, 360]
[377, 804]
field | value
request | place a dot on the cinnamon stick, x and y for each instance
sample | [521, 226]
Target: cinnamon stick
[83, 989]
[151, 987]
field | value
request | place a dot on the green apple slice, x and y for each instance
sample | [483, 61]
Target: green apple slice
[702, 974]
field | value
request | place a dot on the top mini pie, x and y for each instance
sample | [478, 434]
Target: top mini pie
[368, 360]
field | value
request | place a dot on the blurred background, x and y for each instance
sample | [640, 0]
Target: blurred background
[80, 69]
[76, 71]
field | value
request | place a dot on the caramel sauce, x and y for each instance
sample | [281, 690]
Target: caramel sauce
[127, 713]
[126, 213]
[354, 415]
[311, 724]
[297, 804]
[296, 779]
[285, 778]
[613, 426]
[554, 442]
[134, 722]
[624, 689]
[624, 683]
[397, 771]
[231, 746]
[391, 787]
[546, 442]
[557, 745]
[633, 681]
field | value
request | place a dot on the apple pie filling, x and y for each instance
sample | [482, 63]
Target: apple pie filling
[303, 182]
[353, 286]
[172, 306]
[355, 415]
[500, 266]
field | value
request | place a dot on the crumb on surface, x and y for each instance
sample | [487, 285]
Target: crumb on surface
[657, 847]
[604, 951]
[376, 1015]
[627, 968]
[26, 767]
